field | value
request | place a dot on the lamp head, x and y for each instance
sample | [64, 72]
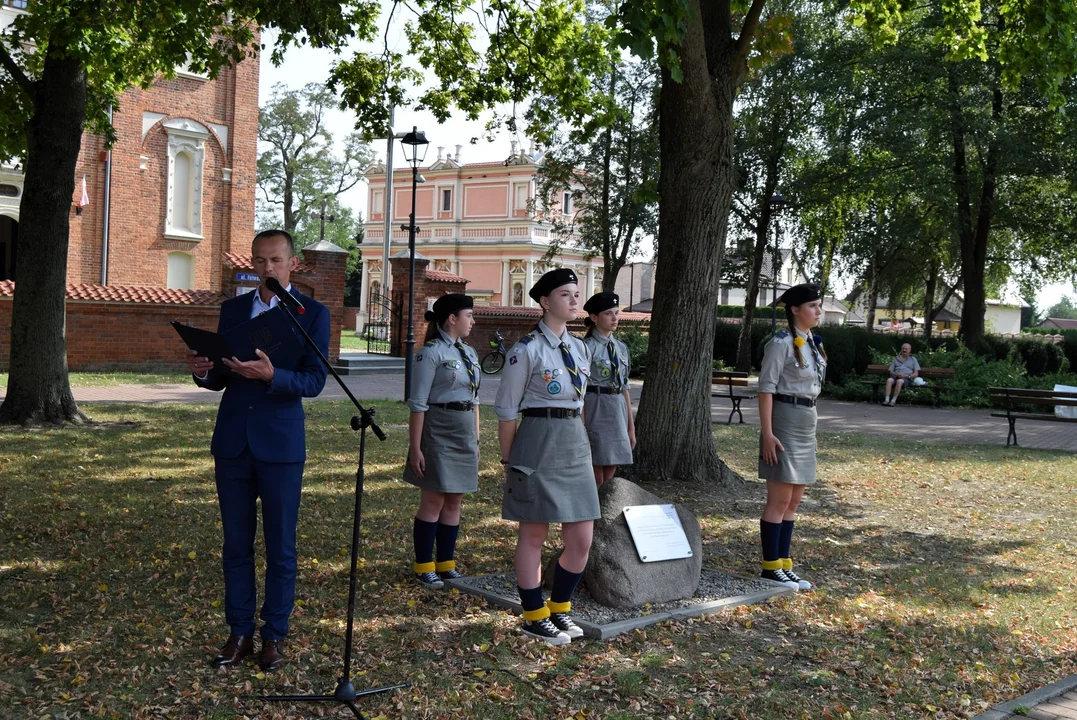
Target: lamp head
[415, 145]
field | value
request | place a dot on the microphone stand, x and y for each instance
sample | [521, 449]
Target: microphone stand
[345, 692]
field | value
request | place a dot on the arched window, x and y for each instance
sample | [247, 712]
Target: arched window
[180, 271]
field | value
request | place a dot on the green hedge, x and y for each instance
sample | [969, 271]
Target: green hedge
[637, 349]
[851, 349]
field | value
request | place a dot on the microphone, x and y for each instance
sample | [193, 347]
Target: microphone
[285, 297]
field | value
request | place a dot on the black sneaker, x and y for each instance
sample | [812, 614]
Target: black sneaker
[779, 576]
[546, 631]
[450, 574]
[564, 623]
[429, 580]
[802, 584]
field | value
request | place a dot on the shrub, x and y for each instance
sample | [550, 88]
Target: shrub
[636, 340]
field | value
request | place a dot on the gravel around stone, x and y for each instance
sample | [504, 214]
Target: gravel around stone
[713, 585]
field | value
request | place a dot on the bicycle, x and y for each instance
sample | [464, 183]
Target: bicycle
[494, 360]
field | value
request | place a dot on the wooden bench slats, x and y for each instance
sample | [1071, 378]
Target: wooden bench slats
[1029, 396]
[1033, 416]
[940, 374]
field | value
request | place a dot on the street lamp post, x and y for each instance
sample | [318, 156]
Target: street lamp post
[415, 144]
[777, 203]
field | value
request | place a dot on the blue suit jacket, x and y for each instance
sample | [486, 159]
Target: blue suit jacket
[268, 418]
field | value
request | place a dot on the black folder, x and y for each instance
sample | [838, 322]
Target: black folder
[270, 332]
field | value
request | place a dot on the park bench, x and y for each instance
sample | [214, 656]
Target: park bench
[1014, 398]
[937, 381]
[724, 384]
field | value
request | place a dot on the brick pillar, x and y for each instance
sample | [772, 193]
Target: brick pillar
[328, 266]
[399, 264]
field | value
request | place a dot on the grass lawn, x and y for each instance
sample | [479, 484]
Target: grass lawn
[946, 574]
[111, 378]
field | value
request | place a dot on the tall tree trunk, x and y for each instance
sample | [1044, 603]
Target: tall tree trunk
[929, 297]
[751, 295]
[873, 296]
[696, 185]
[38, 388]
[974, 239]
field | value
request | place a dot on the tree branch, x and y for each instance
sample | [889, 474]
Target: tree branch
[747, 32]
[16, 73]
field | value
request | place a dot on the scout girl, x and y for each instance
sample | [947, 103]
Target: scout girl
[443, 457]
[790, 379]
[547, 459]
[607, 407]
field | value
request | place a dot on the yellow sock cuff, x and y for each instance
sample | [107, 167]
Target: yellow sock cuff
[787, 563]
[445, 565]
[540, 614]
[556, 607]
[424, 567]
[772, 564]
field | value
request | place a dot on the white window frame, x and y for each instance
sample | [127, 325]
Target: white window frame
[189, 280]
[446, 194]
[377, 202]
[566, 202]
[186, 136]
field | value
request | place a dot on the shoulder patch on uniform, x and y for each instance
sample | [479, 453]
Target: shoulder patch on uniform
[781, 336]
[430, 343]
[529, 337]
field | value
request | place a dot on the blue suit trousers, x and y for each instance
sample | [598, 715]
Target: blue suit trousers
[241, 481]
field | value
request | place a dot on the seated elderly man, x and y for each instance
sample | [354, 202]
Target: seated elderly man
[903, 369]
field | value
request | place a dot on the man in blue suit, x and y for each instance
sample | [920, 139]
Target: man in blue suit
[259, 447]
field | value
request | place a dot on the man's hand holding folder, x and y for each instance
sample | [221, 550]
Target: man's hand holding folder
[247, 350]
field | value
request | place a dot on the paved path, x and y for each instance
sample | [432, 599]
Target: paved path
[966, 427]
[1057, 701]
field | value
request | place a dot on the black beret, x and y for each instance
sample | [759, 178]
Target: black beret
[600, 302]
[551, 281]
[800, 294]
[447, 305]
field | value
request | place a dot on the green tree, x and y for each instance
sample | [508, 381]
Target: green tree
[613, 173]
[1064, 308]
[64, 64]
[299, 167]
[774, 114]
[344, 228]
[552, 49]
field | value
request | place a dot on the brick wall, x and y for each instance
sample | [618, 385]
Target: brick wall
[112, 335]
[426, 290]
[138, 252]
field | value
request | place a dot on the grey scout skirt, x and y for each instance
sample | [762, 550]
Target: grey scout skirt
[794, 426]
[549, 477]
[451, 450]
[606, 418]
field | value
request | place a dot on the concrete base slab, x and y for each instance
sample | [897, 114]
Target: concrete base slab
[496, 590]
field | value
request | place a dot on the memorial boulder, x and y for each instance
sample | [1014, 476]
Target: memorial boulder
[615, 575]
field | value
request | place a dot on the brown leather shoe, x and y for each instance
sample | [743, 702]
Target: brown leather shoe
[237, 648]
[272, 656]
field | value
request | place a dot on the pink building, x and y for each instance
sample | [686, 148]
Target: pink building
[476, 221]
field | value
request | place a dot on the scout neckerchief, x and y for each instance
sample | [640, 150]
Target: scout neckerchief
[819, 368]
[611, 349]
[570, 365]
[472, 375]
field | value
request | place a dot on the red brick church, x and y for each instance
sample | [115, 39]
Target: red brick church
[161, 224]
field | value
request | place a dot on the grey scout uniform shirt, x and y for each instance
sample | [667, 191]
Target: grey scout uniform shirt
[780, 374]
[603, 374]
[908, 367]
[535, 374]
[440, 375]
